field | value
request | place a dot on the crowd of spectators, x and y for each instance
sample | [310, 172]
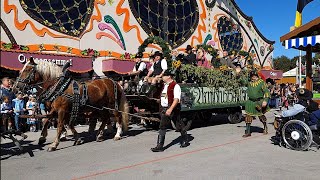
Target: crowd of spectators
[282, 95]
[13, 105]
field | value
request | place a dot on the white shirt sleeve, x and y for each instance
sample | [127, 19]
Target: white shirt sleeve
[142, 66]
[134, 68]
[177, 92]
[3, 111]
[28, 104]
[164, 64]
[152, 69]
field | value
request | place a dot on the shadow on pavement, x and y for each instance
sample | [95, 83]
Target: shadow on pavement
[253, 129]
[9, 149]
[177, 141]
[215, 120]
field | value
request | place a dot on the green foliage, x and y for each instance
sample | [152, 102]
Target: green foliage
[316, 58]
[296, 58]
[208, 48]
[15, 46]
[110, 2]
[215, 78]
[90, 52]
[157, 40]
[283, 63]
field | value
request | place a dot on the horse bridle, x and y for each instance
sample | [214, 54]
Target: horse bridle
[29, 78]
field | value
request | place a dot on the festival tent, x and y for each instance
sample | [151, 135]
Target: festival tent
[289, 76]
[290, 73]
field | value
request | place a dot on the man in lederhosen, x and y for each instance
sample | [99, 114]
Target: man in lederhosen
[156, 72]
[140, 68]
[170, 110]
[138, 72]
[256, 105]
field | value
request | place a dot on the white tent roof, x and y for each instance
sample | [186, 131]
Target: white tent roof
[290, 73]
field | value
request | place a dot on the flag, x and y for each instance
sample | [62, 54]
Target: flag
[300, 6]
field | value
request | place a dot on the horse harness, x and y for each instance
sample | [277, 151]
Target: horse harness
[77, 100]
[58, 90]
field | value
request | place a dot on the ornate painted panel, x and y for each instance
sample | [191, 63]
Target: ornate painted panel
[110, 28]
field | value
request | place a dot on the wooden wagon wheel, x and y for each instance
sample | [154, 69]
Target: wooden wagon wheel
[235, 118]
[187, 122]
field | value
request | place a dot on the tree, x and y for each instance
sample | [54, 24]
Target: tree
[296, 58]
[283, 63]
[316, 58]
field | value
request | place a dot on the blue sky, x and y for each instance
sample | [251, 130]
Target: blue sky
[275, 17]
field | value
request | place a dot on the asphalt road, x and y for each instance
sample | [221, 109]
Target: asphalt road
[217, 151]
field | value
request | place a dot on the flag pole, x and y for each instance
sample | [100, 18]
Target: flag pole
[297, 71]
[300, 52]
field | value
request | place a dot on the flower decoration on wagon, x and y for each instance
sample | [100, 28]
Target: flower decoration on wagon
[14, 47]
[90, 52]
[127, 55]
[177, 62]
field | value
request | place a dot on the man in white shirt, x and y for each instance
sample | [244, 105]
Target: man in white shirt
[138, 72]
[140, 67]
[156, 72]
[170, 110]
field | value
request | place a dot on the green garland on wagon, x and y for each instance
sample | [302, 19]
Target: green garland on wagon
[209, 49]
[159, 41]
[215, 78]
[247, 56]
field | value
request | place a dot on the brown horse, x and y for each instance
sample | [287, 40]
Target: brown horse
[103, 95]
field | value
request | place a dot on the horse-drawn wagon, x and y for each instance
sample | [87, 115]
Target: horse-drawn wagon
[198, 103]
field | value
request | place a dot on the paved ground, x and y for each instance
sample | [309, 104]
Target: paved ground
[217, 151]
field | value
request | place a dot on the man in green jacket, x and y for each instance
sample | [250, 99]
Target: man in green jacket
[257, 103]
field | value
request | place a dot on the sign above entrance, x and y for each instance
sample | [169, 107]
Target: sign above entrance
[15, 60]
[272, 74]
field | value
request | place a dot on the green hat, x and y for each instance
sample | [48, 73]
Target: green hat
[254, 73]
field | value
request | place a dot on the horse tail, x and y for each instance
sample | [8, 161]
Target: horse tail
[124, 108]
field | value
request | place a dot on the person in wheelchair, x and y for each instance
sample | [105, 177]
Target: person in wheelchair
[298, 127]
[304, 97]
[155, 73]
[305, 103]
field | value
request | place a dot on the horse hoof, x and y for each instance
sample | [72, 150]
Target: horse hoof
[50, 149]
[116, 138]
[63, 139]
[78, 142]
[99, 139]
[42, 140]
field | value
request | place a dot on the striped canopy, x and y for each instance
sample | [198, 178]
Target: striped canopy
[304, 41]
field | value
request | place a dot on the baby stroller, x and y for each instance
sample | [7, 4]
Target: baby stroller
[294, 133]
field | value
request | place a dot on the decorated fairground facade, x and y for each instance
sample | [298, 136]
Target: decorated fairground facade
[88, 32]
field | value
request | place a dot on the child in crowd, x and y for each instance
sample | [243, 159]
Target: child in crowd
[6, 112]
[31, 107]
[18, 109]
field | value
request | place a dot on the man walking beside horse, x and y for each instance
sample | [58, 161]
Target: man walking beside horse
[170, 110]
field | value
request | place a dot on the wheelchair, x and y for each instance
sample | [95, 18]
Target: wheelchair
[294, 132]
